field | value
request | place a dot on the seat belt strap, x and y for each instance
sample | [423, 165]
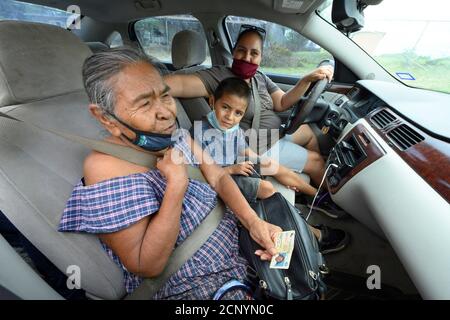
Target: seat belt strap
[257, 104]
[150, 286]
[142, 158]
[190, 245]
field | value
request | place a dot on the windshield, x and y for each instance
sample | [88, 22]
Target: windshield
[409, 38]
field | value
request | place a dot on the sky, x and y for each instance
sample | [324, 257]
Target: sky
[411, 24]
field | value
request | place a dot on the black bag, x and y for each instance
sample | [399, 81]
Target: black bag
[304, 278]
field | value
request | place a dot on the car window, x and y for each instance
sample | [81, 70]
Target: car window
[286, 52]
[407, 38]
[115, 40]
[155, 34]
[15, 10]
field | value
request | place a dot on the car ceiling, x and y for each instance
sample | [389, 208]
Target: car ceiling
[119, 11]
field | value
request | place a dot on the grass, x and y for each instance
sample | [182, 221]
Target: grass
[297, 63]
[429, 73]
[433, 74]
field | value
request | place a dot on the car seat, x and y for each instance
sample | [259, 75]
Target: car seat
[188, 53]
[40, 82]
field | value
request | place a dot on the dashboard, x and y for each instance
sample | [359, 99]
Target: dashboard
[391, 171]
[425, 149]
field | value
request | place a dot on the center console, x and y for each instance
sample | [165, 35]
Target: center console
[357, 150]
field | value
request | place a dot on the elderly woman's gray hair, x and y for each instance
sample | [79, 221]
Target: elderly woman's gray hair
[102, 66]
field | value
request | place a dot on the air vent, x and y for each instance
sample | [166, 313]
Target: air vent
[383, 118]
[404, 137]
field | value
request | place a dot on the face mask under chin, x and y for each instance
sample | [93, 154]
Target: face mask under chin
[212, 119]
[148, 140]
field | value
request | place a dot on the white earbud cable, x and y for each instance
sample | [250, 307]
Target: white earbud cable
[318, 190]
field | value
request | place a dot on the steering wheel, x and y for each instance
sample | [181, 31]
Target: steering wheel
[304, 107]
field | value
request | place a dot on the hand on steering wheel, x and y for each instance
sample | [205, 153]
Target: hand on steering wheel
[304, 107]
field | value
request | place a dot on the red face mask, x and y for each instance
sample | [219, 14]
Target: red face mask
[243, 69]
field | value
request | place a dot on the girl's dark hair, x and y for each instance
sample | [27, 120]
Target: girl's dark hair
[234, 86]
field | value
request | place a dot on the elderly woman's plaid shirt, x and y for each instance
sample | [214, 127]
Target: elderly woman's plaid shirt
[117, 203]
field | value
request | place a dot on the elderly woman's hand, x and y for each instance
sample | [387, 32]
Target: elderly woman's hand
[264, 234]
[319, 74]
[173, 168]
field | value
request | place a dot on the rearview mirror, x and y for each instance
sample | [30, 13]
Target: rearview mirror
[348, 15]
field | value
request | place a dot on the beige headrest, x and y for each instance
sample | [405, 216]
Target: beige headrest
[38, 61]
[188, 49]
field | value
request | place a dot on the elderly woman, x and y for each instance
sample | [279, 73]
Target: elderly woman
[140, 215]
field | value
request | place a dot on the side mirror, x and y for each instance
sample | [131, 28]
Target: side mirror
[348, 15]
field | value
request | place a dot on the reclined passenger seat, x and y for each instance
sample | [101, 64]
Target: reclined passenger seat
[40, 82]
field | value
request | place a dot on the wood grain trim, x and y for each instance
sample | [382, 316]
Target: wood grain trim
[372, 150]
[340, 88]
[430, 158]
